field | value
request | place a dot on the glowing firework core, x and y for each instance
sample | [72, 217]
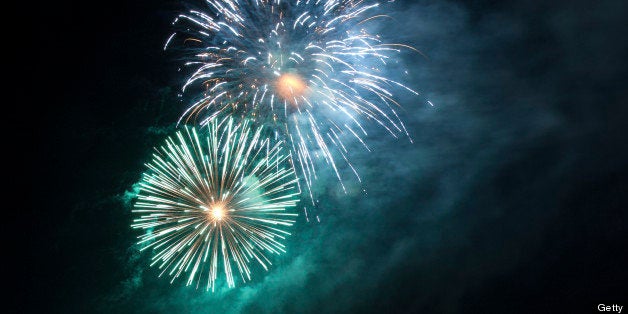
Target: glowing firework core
[217, 212]
[290, 86]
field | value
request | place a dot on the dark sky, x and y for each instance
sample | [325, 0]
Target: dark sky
[513, 197]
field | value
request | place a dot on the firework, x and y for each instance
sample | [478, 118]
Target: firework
[310, 70]
[222, 201]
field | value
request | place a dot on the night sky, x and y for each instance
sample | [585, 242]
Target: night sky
[513, 197]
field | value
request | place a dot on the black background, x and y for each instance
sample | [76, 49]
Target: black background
[552, 204]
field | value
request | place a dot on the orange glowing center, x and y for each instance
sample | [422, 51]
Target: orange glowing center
[290, 86]
[217, 212]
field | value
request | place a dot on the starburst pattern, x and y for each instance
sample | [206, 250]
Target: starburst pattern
[217, 198]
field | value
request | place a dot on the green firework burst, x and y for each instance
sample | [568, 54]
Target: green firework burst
[216, 202]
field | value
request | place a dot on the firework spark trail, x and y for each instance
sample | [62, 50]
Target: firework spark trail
[309, 69]
[221, 199]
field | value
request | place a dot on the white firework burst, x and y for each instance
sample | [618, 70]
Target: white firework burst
[308, 69]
